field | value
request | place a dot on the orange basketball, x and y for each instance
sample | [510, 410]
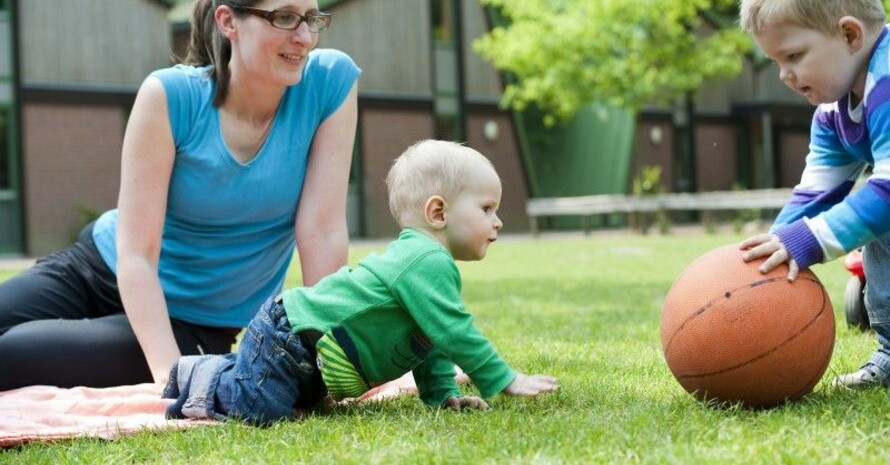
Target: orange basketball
[732, 334]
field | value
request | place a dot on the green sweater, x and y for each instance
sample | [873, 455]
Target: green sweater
[396, 312]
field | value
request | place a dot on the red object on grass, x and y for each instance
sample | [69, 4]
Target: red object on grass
[853, 263]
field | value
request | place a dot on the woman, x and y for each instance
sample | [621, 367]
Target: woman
[228, 161]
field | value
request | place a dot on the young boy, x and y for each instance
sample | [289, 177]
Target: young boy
[836, 53]
[395, 312]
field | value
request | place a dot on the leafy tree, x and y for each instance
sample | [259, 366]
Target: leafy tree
[567, 53]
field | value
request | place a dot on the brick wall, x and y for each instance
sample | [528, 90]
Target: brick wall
[386, 133]
[715, 156]
[72, 162]
[504, 155]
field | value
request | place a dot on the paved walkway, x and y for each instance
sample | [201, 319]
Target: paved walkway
[15, 263]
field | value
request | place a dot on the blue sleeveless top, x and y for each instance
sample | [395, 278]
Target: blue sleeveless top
[229, 229]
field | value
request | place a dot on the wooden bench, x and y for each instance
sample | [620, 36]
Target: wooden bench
[704, 202]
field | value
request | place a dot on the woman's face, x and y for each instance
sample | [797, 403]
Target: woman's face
[268, 53]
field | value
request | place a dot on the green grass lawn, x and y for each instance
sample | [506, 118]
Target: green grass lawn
[585, 309]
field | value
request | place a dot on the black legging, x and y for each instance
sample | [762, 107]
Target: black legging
[62, 324]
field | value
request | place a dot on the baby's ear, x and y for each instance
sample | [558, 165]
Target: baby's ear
[434, 212]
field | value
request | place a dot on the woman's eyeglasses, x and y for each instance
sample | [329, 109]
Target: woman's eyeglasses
[316, 22]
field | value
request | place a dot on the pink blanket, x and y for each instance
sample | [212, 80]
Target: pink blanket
[42, 413]
[45, 413]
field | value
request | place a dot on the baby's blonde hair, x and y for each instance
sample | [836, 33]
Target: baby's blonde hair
[428, 168]
[821, 15]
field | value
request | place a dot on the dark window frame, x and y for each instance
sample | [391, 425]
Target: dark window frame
[6, 149]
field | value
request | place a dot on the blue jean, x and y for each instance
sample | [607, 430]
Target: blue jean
[272, 374]
[876, 263]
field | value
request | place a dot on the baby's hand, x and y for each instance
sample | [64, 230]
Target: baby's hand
[465, 403]
[525, 385]
[769, 245]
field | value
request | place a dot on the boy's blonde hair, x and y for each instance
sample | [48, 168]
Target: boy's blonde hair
[821, 15]
[428, 168]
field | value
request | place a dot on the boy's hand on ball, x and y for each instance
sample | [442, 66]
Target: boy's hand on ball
[525, 385]
[465, 403]
[769, 245]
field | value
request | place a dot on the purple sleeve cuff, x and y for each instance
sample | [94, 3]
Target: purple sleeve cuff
[801, 243]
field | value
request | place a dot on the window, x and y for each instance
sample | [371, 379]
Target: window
[6, 96]
[446, 71]
[5, 153]
[442, 26]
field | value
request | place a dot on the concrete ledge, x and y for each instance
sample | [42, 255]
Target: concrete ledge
[589, 205]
